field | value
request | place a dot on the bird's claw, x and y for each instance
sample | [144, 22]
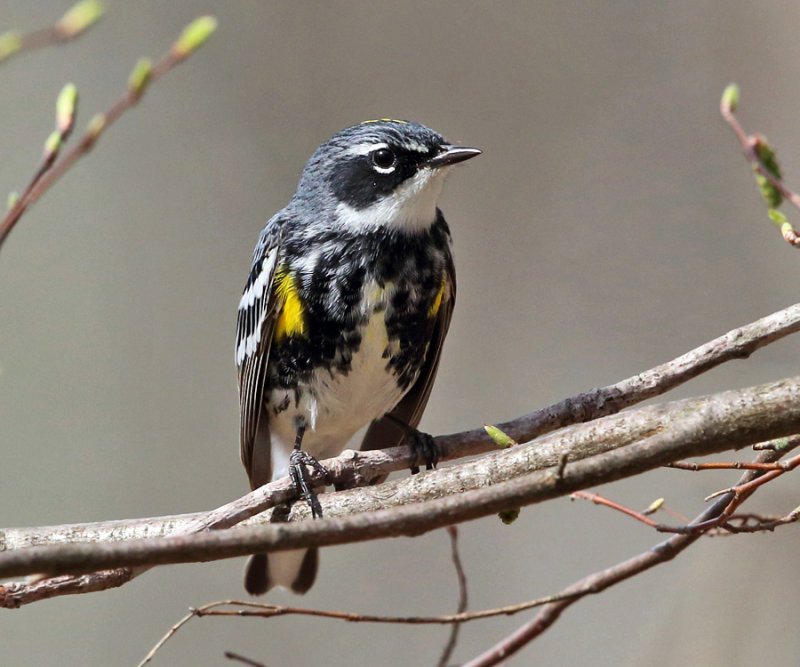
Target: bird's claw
[424, 448]
[299, 462]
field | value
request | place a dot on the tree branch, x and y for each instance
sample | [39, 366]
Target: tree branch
[452, 533]
[648, 437]
[358, 467]
[265, 610]
[355, 468]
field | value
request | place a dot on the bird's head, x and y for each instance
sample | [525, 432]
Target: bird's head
[382, 173]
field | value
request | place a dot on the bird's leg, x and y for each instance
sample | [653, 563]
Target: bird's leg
[422, 444]
[298, 471]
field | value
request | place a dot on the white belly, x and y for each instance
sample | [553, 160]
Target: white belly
[336, 407]
[368, 391]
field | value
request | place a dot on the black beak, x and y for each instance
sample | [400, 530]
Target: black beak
[452, 155]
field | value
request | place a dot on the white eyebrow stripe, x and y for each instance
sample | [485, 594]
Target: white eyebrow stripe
[365, 148]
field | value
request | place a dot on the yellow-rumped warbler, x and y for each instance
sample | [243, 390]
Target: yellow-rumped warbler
[344, 313]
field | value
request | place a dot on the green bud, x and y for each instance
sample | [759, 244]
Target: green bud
[655, 506]
[96, 125]
[10, 43]
[53, 144]
[781, 443]
[769, 192]
[509, 516]
[13, 198]
[500, 439]
[730, 98]
[777, 217]
[65, 108]
[140, 76]
[767, 156]
[80, 17]
[194, 36]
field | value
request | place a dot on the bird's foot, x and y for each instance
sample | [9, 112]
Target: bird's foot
[299, 462]
[424, 448]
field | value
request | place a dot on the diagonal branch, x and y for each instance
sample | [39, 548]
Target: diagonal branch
[664, 433]
[738, 343]
[354, 468]
[74, 23]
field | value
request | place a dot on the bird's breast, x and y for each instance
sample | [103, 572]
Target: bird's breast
[358, 384]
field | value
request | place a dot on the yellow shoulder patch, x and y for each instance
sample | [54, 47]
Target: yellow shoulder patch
[291, 321]
[433, 311]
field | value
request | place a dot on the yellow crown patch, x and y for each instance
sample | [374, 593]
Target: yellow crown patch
[384, 120]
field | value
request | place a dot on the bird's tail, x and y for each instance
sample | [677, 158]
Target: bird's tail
[296, 570]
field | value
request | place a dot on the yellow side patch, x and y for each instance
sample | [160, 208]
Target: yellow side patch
[291, 321]
[433, 311]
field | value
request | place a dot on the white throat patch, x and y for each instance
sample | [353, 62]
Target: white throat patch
[411, 206]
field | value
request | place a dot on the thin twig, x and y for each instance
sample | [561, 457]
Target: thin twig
[599, 581]
[750, 145]
[452, 533]
[791, 464]
[725, 465]
[773, 470]
[597, 499]
[97, 127]
[74, 23]
[246, 608]
[183, 621]
[761, 523]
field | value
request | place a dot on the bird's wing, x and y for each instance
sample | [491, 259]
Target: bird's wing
[254, 327]
[383, 432]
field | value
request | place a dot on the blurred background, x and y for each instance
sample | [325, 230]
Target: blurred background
[610, 225]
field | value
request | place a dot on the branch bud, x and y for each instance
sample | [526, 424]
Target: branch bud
[140, 77]
[65, 108]
[11, 201]
[52, 145]
[500, 439]
[767, 155]
[769, 161]
[80, 17]
[655, 506]
[509, 516]
[193, 36]
[10, 43]
[777, 217]
[96, 125]
[730, 98]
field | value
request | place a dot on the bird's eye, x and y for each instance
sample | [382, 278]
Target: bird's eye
[383, 158]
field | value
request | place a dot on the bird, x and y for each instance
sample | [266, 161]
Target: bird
[343, 315]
